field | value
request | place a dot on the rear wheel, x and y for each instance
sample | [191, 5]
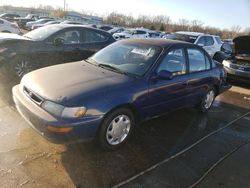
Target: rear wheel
[207, 101]
[116, 129]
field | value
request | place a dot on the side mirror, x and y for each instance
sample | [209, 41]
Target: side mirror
[58, 41]
[165, 75]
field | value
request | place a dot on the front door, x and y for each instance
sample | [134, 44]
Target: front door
[166, 95]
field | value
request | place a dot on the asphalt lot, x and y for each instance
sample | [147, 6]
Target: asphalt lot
[177, 150]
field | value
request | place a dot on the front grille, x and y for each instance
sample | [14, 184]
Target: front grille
[33, 96]
[240, 67]
[244, 63]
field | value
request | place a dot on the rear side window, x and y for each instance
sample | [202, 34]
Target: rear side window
[90, 36]
[174, 62]
[209, 41]
[198, 61]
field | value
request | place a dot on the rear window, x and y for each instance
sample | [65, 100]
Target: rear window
[182, 37]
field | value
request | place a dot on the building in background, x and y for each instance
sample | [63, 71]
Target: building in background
[70, 15]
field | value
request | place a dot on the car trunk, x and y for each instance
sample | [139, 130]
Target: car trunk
[242, 50]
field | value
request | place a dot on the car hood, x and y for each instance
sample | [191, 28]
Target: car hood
[11, 36]
[242, 45]
[64, 83]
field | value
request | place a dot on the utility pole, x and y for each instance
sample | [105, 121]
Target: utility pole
[64, 6]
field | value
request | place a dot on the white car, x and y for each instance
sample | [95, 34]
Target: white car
[211, 43]
[132, 33]
[41, 21]
[8, 27]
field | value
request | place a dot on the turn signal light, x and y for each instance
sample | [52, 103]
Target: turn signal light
[60, 129]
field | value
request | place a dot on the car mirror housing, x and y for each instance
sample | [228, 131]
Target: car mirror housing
[58, 42]
[165, 75]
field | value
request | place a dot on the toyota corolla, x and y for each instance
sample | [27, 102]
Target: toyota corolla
[107, 95]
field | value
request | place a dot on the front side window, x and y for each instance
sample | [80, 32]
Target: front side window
[197, 60]
[201, 41]
[70, 36]
[209, 41]
[139, 32]
[174, 62]
[127, 57]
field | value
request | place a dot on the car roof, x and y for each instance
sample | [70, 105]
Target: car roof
[65, 25]
[190, 33]
[163, 43]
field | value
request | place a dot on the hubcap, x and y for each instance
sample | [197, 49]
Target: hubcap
[22, 67]
[209, 99]
[118, 130]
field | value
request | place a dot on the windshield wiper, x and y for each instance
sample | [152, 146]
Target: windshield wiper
[110, 67]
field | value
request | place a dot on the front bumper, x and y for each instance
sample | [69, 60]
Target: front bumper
[83, 129]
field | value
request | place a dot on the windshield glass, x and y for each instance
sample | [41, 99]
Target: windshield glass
[42, 33]
[182, 37]
[130, 58]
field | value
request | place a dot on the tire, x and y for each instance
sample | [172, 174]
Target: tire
[20, 66]
[116, 128]
[207, 100]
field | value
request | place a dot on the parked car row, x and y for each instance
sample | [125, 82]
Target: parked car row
[109, 94]
[88, 85]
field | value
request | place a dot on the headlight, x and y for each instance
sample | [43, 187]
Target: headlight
[226, 63]
[65, 112]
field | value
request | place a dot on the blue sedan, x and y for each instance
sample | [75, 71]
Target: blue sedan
[107, 95]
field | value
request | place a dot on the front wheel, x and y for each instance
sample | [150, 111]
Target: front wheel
[21, 66]
[207, 101]
[116, 129]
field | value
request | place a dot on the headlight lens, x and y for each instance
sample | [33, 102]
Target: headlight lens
[65, 112]
[226, 63]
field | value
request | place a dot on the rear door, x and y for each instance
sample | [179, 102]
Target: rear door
[199, 68]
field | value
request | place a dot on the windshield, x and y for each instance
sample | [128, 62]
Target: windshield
[42, 33]
[129, 58]
[182, 37]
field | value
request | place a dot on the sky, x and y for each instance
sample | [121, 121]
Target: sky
[216, 13]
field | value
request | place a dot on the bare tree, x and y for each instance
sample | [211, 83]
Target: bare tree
[196, 25]
[235, 30]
